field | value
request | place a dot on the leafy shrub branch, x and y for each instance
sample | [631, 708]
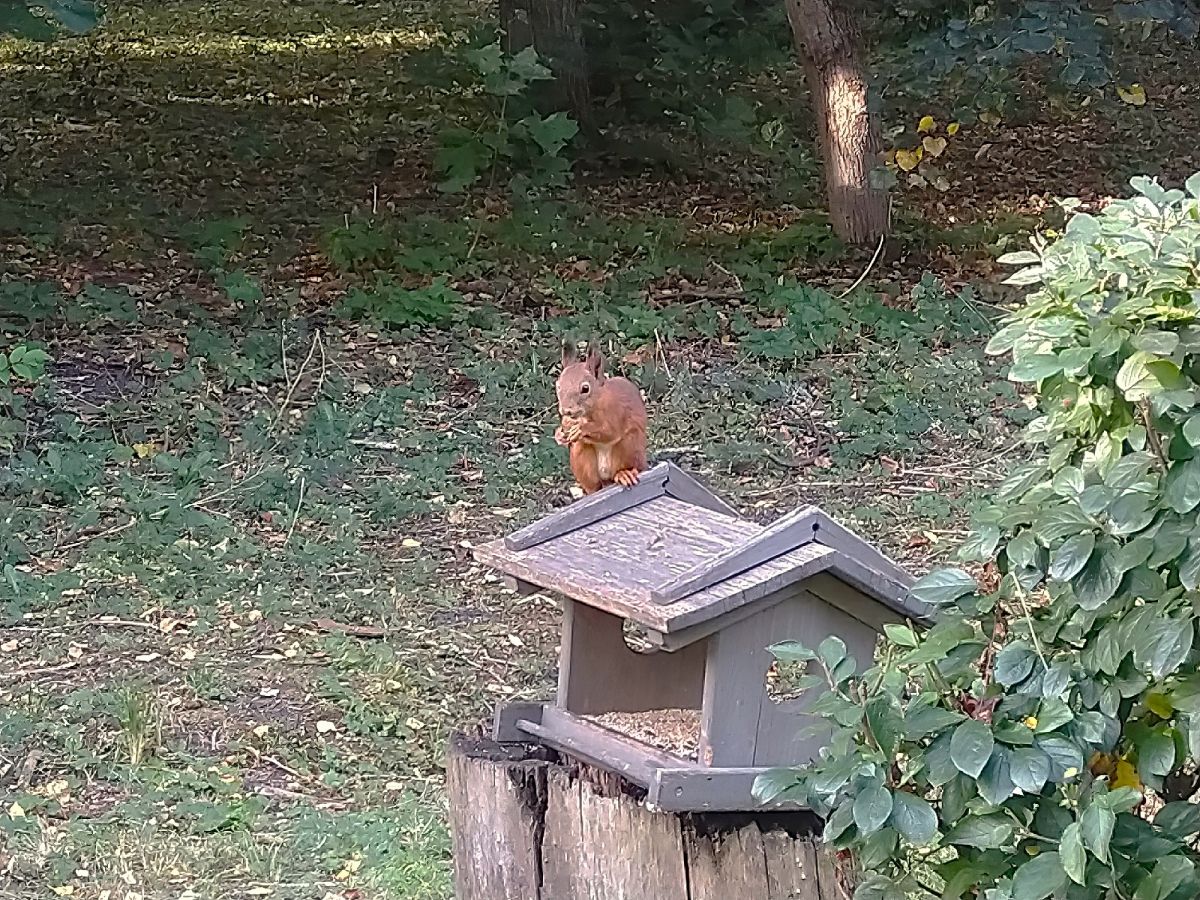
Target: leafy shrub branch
[1040, 739]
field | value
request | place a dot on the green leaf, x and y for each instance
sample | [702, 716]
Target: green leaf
[1143, 375]
[943, 586]
[1173, 644]
[1191, 430]
[872, 807]
[925, 720]
[1096, 829]
[1098, 580]
[838, 823]
[1071, 556]
[1189, 567]
[900, 635]
[1019, 258]
[1070, 849]
[1029, 769]
[1054, 713]
[773, 783]
[553, 132]
[995, 781]
[1014, 663]
[791, 651]
[1155, 754]
[913, 818]
[1179, 818]
[1183, 486]
[1064, 756]
[971, 747]
[980, 543]
[1039, 878]
[832, 651]
[1061, 521]
[1068, 482]
[1035, 367]
[982, 832]
[1131, 513]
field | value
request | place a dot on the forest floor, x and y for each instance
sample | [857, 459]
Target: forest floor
[238, 610]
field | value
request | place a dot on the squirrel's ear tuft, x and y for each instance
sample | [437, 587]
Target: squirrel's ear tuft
[570, 353]
[594, 360]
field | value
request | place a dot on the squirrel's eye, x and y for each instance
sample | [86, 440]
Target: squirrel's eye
[584, 388]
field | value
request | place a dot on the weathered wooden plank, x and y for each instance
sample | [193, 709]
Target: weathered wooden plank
[734, 686]
[695, 789]
[591, 509]
[724, 603]
[507, 715]
[604, 582]
[792, 867]
[600, 746]
[496, 806]
[598, 672]
[734, 867]
[792, 531]
[683, 486]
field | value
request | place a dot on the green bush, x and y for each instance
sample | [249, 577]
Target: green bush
[1040, 739]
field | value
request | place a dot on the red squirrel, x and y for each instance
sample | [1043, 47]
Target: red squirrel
[603, 422]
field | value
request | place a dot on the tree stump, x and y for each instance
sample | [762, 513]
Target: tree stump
[528, 824]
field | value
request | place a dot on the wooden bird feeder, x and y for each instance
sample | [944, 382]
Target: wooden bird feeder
[692, 722]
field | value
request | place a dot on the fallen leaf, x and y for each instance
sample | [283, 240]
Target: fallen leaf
[325, 727]
[16, 811]
[908, 159]
[952, 128]
[145, 451]
[1134, 95]
[934, 146]
[926, 125]
[10, 646]
[410, 542]
[262, 731]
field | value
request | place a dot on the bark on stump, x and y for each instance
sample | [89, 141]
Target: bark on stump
[529, 825]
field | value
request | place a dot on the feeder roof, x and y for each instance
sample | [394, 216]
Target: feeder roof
[669, 554]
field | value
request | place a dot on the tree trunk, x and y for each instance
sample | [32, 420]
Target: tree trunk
[830, 43]
[554, 30]
[527, 825]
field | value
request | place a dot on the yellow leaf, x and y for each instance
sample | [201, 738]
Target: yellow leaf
[989, 117]
[1126, 776]
[1160, 705]
[16, 811]
[1134, 95]
[145, 451]
[926, 125]
[63, 890]
[934, 146]
[908, 159]
[952, 129]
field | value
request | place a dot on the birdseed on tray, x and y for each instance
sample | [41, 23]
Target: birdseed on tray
[673, 730]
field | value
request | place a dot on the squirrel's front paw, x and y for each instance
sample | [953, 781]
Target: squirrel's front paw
[626, 477]
[560, 437]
